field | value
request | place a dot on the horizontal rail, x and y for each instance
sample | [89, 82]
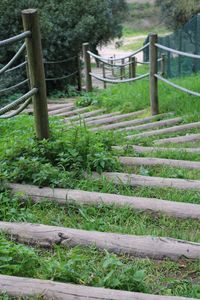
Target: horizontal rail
[105, 60]
[17, 67]
[16, 38]
[15, 57]
[119, 81]
[63, 77]
[19, 101]
[59, 61]
[14, 86]
[177, 86]
[177, 51]
[18, 111]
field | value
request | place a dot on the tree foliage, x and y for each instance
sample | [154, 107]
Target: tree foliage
[176, 13]
[65, 25]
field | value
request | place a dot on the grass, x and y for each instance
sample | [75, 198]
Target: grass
[63, 161]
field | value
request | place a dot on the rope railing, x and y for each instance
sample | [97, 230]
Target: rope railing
[190, 92]
[17, 67]
[119, 81]
[60, 61]
[19, 101]
[14, 86]
[191, 55]
[18, 111]
[15, 57]
[15, 39]
[62, 77]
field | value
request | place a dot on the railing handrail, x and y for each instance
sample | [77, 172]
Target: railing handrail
[119, 81]
[104, 59]
[60, 61]
[187, 54]
[15, 57]
[15, 38]
[178, 87]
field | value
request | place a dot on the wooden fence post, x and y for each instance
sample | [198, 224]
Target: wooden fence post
[79, 83]
[132, 67]
[163, 64]
[104, 75]
[87, 63]
[36, 72]
[153, 70]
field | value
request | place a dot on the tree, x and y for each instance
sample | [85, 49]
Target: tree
[65, 25]
[176, 13]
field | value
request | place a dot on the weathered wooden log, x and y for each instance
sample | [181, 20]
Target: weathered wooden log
[142, 149]
[86, 115]
[101, 117]
[133, 122]
[28, 287]
[148, 181]
[153, 125]
[62, 196]
[151, 161]
[117, 118]
[73, 112]
[166, 130]
[61, 110]
[179, 139]
[139, 246]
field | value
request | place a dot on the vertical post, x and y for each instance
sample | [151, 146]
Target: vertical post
[36, 72]
[132, 67]
[153, 70]
[179, 48]
[112, 63]
[87, 63]
[104, 75]
[163, 64]
[122, 70]
[79, 85]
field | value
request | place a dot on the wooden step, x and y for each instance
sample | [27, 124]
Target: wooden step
[151, 161]
[132, 122]
[149, 181]
[131, 245]
[155, 124]
[61, 110]
[63, 196]
[142, 149]
[35, 288]
[173, 129]
[74, 112]
[179, 139]
[84, 115]
[101, 117]
[116, 118]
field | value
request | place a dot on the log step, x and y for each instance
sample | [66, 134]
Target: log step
[101, 117]
[84, 115]
[63, 196]
[116, 118]
[179, 139]
[61, 110]
[138, 246]
[153, 124]
[151, 161]
[149, 181]
[73, 112]
[135, 122]
[27, 287]
[142, 149]
[173, 129]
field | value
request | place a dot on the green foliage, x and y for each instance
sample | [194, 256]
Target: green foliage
[59, 160]
[176, 13]
[65, 25]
